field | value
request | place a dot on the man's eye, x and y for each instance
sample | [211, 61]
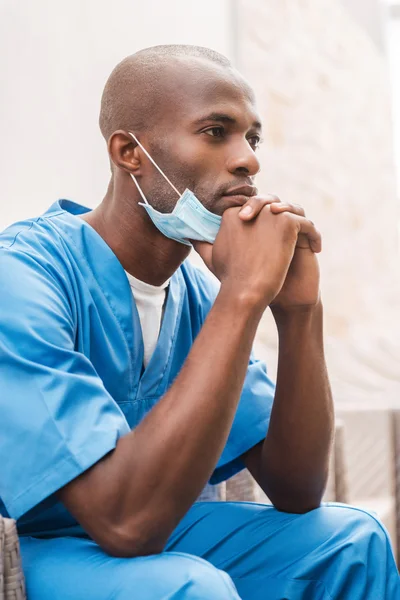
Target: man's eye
[254, 141]
[215, 131]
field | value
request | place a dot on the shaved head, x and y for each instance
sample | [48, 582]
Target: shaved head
[138, 87]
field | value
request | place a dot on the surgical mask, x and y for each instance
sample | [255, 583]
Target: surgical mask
[189, 220]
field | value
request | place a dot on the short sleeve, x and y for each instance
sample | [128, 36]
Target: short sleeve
[252, 417]
[57, 419]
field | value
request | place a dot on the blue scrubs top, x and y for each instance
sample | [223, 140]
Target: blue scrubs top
[71, 356]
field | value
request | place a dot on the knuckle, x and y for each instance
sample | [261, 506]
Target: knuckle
[296, 209]
[273, 198]
[312, 224]
[287, 218]
[288, 224]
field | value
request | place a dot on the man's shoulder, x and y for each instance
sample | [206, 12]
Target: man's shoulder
[30, 246]
[29, 233]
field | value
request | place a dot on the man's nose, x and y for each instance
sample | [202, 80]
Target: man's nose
[244, 161]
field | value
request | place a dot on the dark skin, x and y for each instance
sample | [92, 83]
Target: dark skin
[132, 499]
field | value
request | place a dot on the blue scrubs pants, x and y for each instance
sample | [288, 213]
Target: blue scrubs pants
[228, 551]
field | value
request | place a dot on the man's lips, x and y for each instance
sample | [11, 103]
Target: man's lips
[231, 201]
[243, 190]
[239, 195]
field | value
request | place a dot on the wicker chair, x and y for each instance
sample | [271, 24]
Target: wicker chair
[12, 583]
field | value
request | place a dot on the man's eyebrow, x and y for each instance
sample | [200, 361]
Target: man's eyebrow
[223, 118]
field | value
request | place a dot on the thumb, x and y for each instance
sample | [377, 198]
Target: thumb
[204, 249]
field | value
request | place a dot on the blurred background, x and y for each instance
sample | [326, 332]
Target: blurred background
[327, 77]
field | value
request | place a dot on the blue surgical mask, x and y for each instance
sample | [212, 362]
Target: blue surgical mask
[189, 220]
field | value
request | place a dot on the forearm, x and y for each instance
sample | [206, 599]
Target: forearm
[158, 470]
[296, 450]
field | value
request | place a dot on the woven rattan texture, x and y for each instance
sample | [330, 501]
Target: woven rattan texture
[12, 583]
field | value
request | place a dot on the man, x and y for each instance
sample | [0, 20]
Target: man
[117, 411]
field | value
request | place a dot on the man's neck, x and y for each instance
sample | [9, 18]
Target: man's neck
[142, 250]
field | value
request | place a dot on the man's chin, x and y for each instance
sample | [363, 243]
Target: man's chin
[221, 204]
[233, 201]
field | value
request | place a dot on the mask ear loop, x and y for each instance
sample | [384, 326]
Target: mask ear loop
[139, 190]
[156, 166]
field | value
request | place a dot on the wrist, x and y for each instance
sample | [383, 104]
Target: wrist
[243, 300]
[305, 315]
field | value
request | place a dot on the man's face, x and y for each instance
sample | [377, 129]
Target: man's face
[205, 140]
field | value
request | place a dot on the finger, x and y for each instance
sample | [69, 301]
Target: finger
[308, 234]
[296, 209]
[307, 228]
[204, 249]
[255, 204]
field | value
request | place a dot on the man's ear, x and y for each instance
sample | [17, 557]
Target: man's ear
[124, 152]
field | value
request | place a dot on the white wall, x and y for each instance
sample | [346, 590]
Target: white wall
[370, 15]
[54, 60]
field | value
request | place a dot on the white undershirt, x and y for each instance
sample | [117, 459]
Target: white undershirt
[150, 300]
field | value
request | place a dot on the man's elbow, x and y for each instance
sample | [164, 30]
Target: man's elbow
[296, 501]
[125, 541]
[123, 547]
[296, 506]
[295, 497]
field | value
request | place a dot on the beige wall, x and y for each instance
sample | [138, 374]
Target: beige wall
[323, 91]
